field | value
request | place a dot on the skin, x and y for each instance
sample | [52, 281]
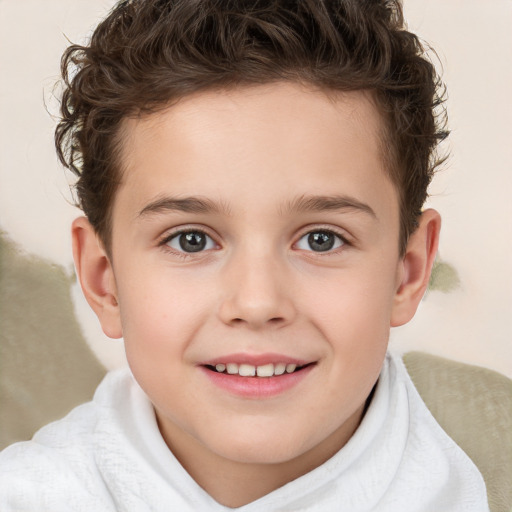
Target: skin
[254, 156]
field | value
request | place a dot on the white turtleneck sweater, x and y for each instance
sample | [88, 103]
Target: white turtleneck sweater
[108, 455]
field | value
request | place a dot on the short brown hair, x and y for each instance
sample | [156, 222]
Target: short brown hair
[148, 53]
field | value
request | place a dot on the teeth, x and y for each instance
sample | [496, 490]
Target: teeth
[279, 369]
[249, 370]
[232, 368]
[290, 368]
[266, 370]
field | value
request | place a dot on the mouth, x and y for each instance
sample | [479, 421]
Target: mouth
[257, 376]
[261, 371]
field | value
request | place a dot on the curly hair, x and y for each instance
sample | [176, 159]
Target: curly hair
[147, 54]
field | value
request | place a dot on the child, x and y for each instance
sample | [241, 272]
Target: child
[253, 175]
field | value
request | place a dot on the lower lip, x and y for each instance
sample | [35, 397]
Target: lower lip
[257, 387]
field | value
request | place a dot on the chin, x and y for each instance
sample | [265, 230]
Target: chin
[262, 447]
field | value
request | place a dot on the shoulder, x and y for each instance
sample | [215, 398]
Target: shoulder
[37, 477]
[57, 469]
[473, 405]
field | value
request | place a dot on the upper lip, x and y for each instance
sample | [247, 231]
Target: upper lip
[255, 359]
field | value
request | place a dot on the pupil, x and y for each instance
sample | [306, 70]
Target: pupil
[321, 241]
[192, 242]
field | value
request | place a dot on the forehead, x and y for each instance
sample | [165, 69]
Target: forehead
[229, 143]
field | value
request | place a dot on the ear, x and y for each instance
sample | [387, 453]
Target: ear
[96, 276]
[415, 268]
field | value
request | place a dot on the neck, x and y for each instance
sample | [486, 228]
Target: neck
[233, 483]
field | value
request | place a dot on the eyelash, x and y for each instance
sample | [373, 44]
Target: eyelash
[344, 243]
[164, 242]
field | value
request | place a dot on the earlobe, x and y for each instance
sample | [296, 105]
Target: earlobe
[416, 267]
[96, 276]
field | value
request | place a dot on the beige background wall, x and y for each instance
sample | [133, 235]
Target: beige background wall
[472, 323]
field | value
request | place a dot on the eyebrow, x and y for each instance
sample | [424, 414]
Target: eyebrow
[329, 203]
[302, 204]
[185, 204]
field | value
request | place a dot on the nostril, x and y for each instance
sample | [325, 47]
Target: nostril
[255, 312]
[272, 321]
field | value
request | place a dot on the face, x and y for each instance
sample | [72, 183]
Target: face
[255, 261]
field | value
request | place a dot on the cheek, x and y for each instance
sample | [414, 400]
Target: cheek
[353, 311]
[349, 300]
[160, 320]
[160, 314]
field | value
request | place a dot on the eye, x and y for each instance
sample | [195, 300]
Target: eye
[320, 241]
[190, 241]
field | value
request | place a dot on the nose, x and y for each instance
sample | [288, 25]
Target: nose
[256, 293]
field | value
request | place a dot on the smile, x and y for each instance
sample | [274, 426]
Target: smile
[249, 370]
[255, 377]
